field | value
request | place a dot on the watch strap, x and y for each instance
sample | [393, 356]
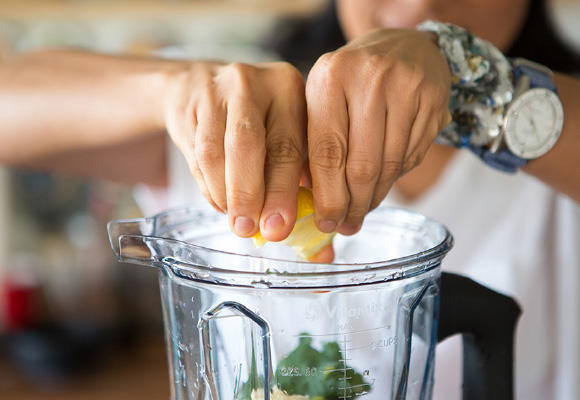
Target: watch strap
[503, 160]
[540, 76]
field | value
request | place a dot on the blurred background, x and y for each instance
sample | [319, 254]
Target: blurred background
[74, 323]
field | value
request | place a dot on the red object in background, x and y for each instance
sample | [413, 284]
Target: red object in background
[18, 305]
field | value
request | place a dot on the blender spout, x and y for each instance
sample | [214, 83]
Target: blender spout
[130, 240]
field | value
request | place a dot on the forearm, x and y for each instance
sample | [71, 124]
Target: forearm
[560, 168]
[54, 102]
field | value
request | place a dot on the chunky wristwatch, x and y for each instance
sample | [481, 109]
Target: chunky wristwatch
[505, 111]
[534, 119]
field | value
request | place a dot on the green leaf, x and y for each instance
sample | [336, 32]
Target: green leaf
[318, 375]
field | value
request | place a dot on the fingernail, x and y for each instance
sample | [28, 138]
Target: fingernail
[349, 229]
[274, 222]
[243, 225]
[327, 226]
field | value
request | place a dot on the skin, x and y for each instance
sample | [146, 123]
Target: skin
[369, 110]
[240, 127]
[498, 22]
[374, 108]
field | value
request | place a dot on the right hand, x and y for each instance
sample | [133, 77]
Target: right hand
[242, 130]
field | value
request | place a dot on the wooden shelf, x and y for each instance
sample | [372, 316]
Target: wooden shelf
[155, 9]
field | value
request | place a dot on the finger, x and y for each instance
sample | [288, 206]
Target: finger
[363, 166]
[423, 134]
[431, 116]
[327, 142]
[245, 151]
[305, 175]
[324, 256]
[209, 166]
[202, 185]
[285, 145]
[400, 117]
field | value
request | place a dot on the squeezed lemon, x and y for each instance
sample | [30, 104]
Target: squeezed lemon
[305, 238]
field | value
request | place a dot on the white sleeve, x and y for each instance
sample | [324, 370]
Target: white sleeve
[181, 189]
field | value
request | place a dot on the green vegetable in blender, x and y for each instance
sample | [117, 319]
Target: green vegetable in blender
[319, 375]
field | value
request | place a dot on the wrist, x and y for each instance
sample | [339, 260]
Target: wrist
[507, 112]
[157, 84]
[481, 85]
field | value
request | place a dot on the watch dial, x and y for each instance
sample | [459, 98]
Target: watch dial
[533, 123]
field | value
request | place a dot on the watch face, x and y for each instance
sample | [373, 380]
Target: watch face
[533, 123]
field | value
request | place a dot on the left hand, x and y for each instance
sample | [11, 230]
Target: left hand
[374, 108]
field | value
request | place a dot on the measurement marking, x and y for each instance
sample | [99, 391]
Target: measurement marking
[341, 333]
[344, 366]
[358, 386]
[337, 370]
[359, 348]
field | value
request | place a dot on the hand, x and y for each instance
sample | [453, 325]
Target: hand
[242, 129]
[374, 108]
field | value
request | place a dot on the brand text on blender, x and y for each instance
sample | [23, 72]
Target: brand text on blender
[315, 311]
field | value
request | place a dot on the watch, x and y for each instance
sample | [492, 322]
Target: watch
[532, 122]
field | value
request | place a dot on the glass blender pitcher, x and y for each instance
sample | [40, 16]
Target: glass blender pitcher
[246, 324]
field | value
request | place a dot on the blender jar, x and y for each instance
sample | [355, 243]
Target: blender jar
[244, 323]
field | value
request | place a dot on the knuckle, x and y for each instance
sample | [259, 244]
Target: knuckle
[326, 69]
[356, 215]
[436, 95]
[325, 61]
[330, 208]
[362, 171]
[195, 170]
[244, 136]
[391, 169]
[239, 196]
[283, 150]
[241, 74]
[430, 136]
[328, 154]
[412, 161]
[377, 65]
[207, 154]
[220, 201]
[410, 80]
[289, 72]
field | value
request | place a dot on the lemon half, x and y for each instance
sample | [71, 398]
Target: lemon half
[305, 238]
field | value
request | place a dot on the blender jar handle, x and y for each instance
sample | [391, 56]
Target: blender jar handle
[242, 310]
[487, 321]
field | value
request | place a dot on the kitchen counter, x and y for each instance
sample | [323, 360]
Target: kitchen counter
[139, 373]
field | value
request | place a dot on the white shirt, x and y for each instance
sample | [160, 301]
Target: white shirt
[517, 236]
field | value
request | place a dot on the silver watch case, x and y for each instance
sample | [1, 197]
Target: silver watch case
[533, 122]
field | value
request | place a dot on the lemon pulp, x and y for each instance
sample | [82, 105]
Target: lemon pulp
[305, 238]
